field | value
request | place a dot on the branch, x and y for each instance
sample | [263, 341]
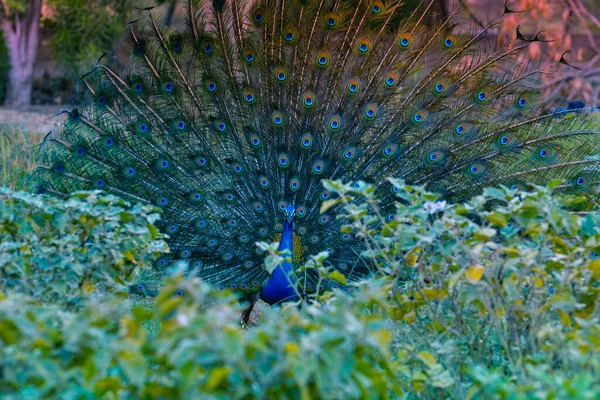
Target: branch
[588, 14]
[583, 22]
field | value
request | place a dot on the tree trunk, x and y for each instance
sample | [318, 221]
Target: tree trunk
[22, 34]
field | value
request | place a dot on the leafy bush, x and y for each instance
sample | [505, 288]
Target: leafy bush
[58, 251]
[325, 351]
[501, 289]
[471, 302]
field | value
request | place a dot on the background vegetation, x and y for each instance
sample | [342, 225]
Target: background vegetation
[470, 303]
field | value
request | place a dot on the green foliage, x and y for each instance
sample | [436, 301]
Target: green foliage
[471, 302]
[60, 251]
[4, 67]
[17, 156]
[84, 30]
[501, 289]
[333, 350]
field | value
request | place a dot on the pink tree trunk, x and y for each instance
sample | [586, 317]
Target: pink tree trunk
[21, 32]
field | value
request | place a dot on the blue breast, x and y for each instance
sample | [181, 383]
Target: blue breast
[280, 286]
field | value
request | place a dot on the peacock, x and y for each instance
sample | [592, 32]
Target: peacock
[230, 125]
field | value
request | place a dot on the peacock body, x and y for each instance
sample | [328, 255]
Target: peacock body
[230, 126]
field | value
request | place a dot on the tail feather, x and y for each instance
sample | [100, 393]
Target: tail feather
[223, 125]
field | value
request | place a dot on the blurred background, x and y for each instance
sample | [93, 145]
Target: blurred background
[45, 45]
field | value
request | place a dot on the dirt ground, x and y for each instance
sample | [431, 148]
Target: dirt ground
[34, 119]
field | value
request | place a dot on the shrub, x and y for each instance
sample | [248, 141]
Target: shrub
[472, 301]
[58, 251]
[330, 350]
[504, 286]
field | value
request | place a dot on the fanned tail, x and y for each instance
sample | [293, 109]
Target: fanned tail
[244, 113]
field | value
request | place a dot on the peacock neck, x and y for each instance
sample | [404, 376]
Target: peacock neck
[281, 286]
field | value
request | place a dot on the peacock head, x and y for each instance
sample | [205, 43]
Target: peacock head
[290, 212]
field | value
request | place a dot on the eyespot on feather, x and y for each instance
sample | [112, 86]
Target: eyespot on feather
[308, 100]
[283, 161]
[294, 186]
[483, 96]
[405, 40]
[290, 35]
[364, 45]
[349, 153]
[419, 117]
[323, 58]
[377, 7]
[277, 119]
[281, 74]
[249, 96]
[318, 167]
[257, 15]
[461, 129]
[391, 79]
[306, 141]
[370, 112]
[449, 41]
[331, 20]
[353, 86]
[334, 124]
[441, 86]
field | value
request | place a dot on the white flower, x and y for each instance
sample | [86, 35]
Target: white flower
[433, 207]
[430, 207]
[183, 320]
[439, 205]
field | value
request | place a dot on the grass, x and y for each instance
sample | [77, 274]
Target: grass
[18, 156]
